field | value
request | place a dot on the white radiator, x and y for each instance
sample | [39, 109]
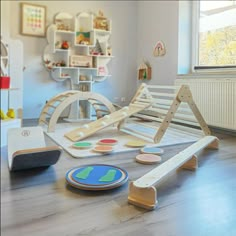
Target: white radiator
[216, 100]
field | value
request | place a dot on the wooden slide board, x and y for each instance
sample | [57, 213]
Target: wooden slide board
[27, 149]
[142, 192]
[107, 120]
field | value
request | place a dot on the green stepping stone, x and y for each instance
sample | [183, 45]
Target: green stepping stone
[110, 175]
[84, 173]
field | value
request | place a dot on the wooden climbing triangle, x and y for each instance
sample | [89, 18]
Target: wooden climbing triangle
[171, 106]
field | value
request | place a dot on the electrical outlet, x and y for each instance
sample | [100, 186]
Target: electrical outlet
[123, 99]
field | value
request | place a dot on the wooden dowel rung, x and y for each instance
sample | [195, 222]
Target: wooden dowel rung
[186, 122]
[162, 87]
[138, 104]
[98, 104]
[147, 117]
[185, 117]
[186, 129]
[44, 121]
[52, 106]
[100, 110]
[143, 100]
[46, 113]
[162, 101]
[131, 132]
[170, 95]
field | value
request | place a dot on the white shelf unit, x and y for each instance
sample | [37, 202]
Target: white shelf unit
[12, 97]
[88, 55]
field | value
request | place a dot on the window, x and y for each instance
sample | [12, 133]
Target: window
[215, 34]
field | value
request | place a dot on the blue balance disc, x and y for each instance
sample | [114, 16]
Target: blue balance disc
[96, 177]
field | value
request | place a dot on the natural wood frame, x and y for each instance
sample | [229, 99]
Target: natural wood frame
[183, 95]
[55, 106]
[143, 193]
[23, 30]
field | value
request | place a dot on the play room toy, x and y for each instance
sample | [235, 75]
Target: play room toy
[167, 106]
[27, 149]
[54, 107]
[135, 143]
[152, 150]
[96, 177]
[82, 145]
[108, 141]
[103, 148]
[148, 159]
[142, 192]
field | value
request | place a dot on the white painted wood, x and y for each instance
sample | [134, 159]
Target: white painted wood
[28, 141]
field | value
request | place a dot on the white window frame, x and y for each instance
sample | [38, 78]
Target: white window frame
[195, 44]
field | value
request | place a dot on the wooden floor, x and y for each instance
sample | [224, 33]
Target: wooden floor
[200, 203]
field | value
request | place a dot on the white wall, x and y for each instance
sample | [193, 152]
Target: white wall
[136, 27]
[39, 87]
[158, 20]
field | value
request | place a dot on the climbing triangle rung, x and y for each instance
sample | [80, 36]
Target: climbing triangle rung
[46, 113]
[137, 134]
[44, 121]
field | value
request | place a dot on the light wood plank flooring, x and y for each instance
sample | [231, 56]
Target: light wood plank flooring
[200, 203]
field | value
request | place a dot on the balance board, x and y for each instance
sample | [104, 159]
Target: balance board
[27, 149]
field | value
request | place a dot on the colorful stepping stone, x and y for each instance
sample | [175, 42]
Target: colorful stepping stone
[108, 141]
[103, 149]
[148, 159]
[135, 144]
[152, 150]
[82, 145]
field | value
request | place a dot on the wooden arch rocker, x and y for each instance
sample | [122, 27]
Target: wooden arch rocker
[55, 106]
[167, 106]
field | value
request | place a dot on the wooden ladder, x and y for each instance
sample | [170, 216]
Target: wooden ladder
[51, 106]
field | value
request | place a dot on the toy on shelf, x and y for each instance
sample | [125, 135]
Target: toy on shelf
[3, 115]
[101, 22]
[27, 149]
[143, 193]
[83, 38]
[11, 113]
[144, 71]
[65, 45]
[64, 21]
[81, 61]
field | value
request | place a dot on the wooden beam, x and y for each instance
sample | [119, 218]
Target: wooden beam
[142, 192]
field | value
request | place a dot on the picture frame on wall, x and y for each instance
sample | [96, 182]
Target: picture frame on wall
[33, 20]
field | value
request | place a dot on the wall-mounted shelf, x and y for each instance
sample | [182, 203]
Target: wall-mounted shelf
[79, 46]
